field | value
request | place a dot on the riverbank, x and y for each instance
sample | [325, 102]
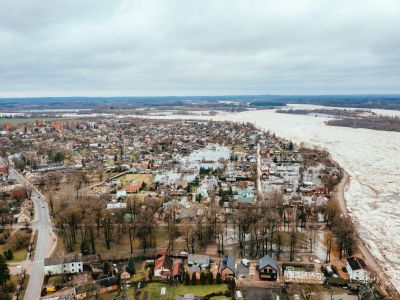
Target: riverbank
[384, 284]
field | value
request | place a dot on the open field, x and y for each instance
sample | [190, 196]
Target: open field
[135, 178]
[121, 249]
[18, 255]
[152, 291]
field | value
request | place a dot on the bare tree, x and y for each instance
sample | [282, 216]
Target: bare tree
[108, 228]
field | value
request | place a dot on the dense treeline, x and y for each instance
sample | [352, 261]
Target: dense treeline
[376, 123]
[327, 111]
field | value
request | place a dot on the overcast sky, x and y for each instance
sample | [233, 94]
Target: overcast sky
[167, 47]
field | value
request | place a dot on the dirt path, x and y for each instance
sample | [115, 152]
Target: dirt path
[384, 283]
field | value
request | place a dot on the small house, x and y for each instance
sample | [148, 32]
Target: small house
[357, 269]
[267, 268]
[177, 271]
[163, 267]
[202, 261]
[23, 216]
[228, 267]
[108, 284]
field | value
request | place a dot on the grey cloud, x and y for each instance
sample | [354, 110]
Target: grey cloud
[173, 47]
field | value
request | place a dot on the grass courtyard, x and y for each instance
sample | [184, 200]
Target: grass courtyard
[153, 290]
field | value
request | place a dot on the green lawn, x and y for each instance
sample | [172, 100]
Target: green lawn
[130, 178]
[18, 255]
[153, 291]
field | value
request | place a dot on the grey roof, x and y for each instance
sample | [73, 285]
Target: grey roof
[228, 262]
[199, 259]
[194, 269]
[267, 261]
[51, 261]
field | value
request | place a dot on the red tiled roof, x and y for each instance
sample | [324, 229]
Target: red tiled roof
[177, 269]
[163, 262]
[130, 188]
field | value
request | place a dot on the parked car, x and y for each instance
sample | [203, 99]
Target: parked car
[245, 262]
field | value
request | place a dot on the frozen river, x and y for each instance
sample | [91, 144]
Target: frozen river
[371, 158]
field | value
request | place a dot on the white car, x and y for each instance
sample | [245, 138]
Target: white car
[245, 262]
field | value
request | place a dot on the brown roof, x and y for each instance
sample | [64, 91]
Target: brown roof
[163, 262]
[177, 269]
[356, 263]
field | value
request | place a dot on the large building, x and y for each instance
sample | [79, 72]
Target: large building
[63, 265]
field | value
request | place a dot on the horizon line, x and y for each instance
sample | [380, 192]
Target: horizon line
[207, 96]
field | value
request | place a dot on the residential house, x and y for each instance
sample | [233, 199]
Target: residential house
[23, 216]
[202, 261]
[63, 265]
[132, 188]
[228, 267]
[245, 196]
[116, 205]
[357, 269]
[267, 268]
[27, 204]
[177, 271]
[196, 270]
[163, 266]
[108, 284]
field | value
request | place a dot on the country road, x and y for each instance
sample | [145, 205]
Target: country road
[46, 238]
[259, 188]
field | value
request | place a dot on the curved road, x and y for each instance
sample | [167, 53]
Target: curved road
[45, 236]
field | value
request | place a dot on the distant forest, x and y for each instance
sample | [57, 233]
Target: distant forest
[333, 112]
[376, 123]
[257, 101]
[351, 118]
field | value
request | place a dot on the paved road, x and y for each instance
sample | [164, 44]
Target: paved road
[259, 188]
[45, 238]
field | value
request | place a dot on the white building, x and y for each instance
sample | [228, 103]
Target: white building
[357, 269]
[63, 265]
[116, 205]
